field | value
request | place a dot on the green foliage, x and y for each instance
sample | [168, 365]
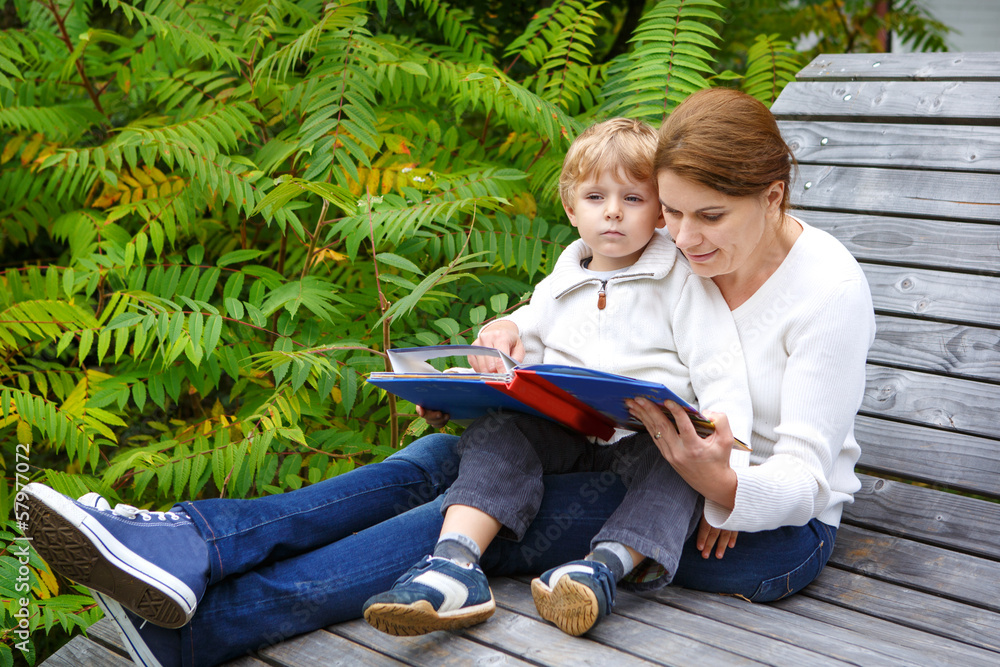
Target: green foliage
[216, 217]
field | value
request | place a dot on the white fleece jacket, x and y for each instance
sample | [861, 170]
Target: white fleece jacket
[660, 323]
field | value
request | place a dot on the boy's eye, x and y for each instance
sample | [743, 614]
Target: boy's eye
[633, 198]
[594, 197]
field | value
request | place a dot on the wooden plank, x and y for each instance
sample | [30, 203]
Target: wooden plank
[954, 460]
[983, 66]
[958, 405]
[923, 567]
[536, 641]
[81, 652]
[894, 145]
[928, 515]
[437, 649]
[623, 630]
[921, 102]
[103, 632]
[323, 648]
[845, 610]
[946, 195]
[928, 613]
[955, 297]
[769, 620]
[954, 349]
[939, 244]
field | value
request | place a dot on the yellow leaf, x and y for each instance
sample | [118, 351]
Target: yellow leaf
[126, 197]
[388, 178]
[12, 147]
[128, 180]
[141, 176]
[151, 192]
[108, 197]
[23, 432]
[336, 395]
[29, 151]
[155, 174]
[373, 179]
[50, 580]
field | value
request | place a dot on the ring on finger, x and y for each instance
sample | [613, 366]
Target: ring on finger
[657, 436]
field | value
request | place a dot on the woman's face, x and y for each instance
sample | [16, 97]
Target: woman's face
[718, 233]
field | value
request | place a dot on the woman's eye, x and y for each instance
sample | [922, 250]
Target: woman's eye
[715, 217]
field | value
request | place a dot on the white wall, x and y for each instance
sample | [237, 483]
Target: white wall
[976, 24]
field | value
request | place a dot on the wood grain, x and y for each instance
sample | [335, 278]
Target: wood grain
[903, 67]
[903, 606]
[944, 195]
[770, 620]
[955, 460]
[928, 515]
[960, 577]
[629, 629]
[894, 145]
[958, 405]
[81, 652]
[920, 102]
[953, 349]
[936, 294]
[437, 649]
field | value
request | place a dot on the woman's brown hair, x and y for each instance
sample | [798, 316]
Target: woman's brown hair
[725, 140]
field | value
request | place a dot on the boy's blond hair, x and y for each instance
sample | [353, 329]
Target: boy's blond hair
[623, 146]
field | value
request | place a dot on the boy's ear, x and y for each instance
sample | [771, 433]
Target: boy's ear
[661, 221]
[572, 216]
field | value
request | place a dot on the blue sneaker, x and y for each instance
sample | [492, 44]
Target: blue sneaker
[434, 594]
[148, 644]
[575, 596]
[154, 563]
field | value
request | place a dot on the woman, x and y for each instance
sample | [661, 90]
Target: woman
[280, 566]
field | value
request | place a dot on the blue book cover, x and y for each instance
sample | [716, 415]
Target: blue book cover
[591, 401]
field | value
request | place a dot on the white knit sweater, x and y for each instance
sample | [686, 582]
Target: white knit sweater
[659, 321]
[806, 334]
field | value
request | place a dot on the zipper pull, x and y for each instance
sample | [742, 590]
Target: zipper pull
[602, 297]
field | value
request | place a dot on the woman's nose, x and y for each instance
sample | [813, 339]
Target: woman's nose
[683, 234]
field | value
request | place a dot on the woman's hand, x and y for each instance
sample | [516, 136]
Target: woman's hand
[702, 462]
[500, 335]
[709, 536]
[435, 418]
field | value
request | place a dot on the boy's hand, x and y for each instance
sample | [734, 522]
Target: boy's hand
[503, 336]
[435, 418]
[710, 536]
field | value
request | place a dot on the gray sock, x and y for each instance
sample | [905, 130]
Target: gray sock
[615, 556]
[457, 547]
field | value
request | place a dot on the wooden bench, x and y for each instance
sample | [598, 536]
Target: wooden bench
[899, 158]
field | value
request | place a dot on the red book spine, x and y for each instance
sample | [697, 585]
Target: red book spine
[550, 400]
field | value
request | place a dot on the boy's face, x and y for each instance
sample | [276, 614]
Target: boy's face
[615, 217]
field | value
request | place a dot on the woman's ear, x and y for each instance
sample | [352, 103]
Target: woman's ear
[774, 195]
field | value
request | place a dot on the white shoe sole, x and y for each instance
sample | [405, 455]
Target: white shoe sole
[80, 548]
[134, 644]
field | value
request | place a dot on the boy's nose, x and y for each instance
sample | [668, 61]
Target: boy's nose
[613, 212]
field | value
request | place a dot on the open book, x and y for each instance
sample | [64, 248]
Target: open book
[588, 401]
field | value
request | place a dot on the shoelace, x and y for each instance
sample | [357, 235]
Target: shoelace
[130, 512]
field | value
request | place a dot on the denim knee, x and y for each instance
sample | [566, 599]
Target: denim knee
[436, 455]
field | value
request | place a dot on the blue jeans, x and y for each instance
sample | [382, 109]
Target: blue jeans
[291, 563]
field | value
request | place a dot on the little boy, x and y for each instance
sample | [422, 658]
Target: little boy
[618, 300]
